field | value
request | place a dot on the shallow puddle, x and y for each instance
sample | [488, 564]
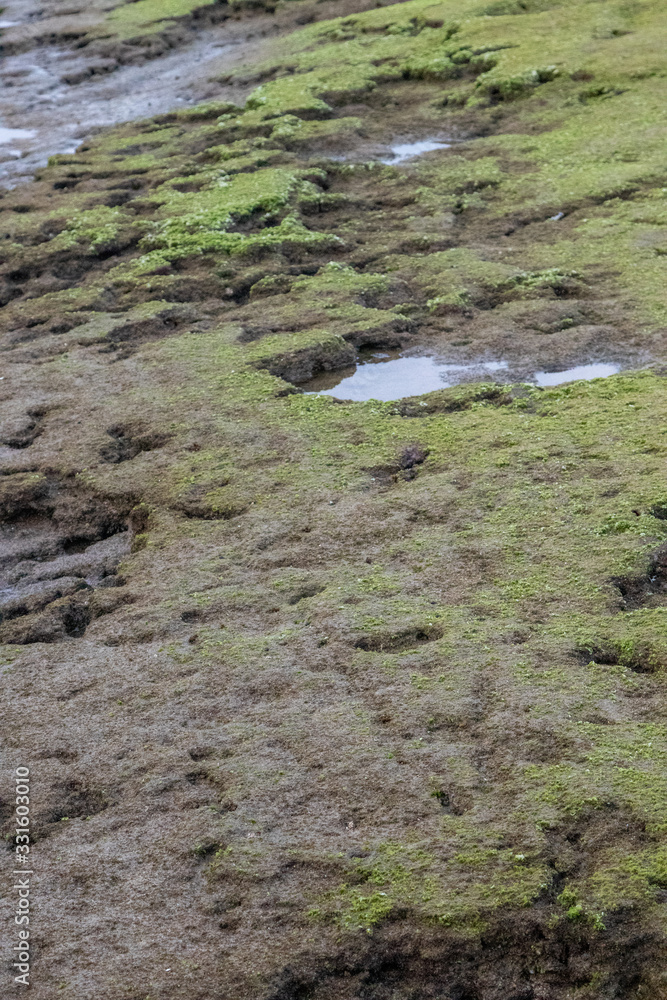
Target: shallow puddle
[409, 150]
[584, 372]
[388, 376]
[14, 134]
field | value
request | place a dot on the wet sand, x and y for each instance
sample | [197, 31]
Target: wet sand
[62, 94]
[57, 116]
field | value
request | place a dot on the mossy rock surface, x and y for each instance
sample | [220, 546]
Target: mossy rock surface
[371, 692]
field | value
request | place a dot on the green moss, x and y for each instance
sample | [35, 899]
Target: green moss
[294, 132]
[424, 39]
[489, 606]
[143, 16]
[101, 326]
[95, 230]
[199, 222]
[228, 199]
[454, 893]
[462, 873]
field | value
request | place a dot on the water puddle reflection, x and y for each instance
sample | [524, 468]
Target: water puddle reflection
[391, 375]
[585, 372]
[15, 134]
[388, 376]
[409, 150]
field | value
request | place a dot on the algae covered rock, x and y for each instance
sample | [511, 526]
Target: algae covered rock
[363, 699]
